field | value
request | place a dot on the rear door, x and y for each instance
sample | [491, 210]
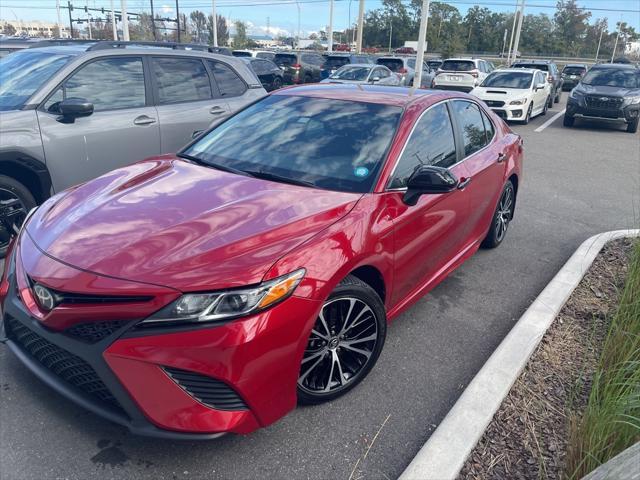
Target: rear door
[230, 87]
[185, 99]
[123, 128]
[430, 234]
[484, 161]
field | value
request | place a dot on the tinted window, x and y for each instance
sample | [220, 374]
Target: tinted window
[22, 73]
[613, 77]
[458, 65]
[267, 55]
[470, 120]
[351, 73]
[539, 66]
[431, 143]
[109, 84]
[240, 53]
[285, 59]
[518, 80]
[334, 144]
[229, 83]
[393, 64]
[259, 66]
[574, 70]
[336, 62]
[181, 80]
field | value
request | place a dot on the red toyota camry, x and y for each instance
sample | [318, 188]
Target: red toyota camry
[208, 292]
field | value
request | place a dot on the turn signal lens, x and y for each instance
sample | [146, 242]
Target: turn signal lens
[281, 289]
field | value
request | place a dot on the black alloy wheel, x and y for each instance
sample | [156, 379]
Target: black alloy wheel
[277, 83]
[502, 217]
[15, 203]
[527, 119]
[344, 344]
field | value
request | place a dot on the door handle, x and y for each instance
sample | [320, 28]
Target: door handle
[144, 120]
[463, 183]
[216, 110]
[501, 157]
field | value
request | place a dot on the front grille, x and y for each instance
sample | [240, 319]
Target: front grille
[207, 390]
[71, 298]
[599, 102]
[93, 332]
[69, 367]
[494, 103]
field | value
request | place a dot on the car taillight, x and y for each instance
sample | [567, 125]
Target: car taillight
[296, 66]
[550, 78]
[402, 70]
[474, 73]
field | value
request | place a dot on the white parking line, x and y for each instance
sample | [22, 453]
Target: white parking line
[550, 121]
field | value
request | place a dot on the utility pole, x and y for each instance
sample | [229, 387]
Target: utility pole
[86, 3]
[513, 30]
[214, 24]
[516, 43]
[599, 42]
[70, 9]
[59, 20]
[178, 20]
[113, 22]
[353, 32]
[153, 22]
[422, 41]
[330, 32]
[125, 21]
[360, 26]
[504, 42]
[390, 32]
[615, 45]
[298, 39]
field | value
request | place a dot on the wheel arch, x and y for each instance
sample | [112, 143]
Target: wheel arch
[32, 173]
[372, 277]
[514, 180]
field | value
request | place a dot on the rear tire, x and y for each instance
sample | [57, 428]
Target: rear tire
[568, 121]
[308, 79]
[345, 342]
[501, 217]
[15, 202]
[558, 96]
[633, 126]
[277, 83]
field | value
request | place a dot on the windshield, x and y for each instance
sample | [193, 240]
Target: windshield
[265, 55]
[335, 62]
[538, 66]
[332, 144]
[352, 73]
[285, 59]
[518, 80]
[22, 73]
[612, 77]
[240, 53]
[393, 64]
[574, 70]
[458, 65]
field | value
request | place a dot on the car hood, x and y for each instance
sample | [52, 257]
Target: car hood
[609, 91]
[170, 222]
[500, 94]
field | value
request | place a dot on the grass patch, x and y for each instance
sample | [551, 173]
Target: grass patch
[611, 421]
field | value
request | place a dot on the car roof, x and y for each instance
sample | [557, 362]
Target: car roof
[392, 96]
[541, 62]
[581, 65]
[626, 66]
[519, 70]
[368, 65]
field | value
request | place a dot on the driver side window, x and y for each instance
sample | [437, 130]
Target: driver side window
[430, 143]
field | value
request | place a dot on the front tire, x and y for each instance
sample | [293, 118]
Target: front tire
[15, 202]
[344, 344]
[527, 119]
[501, 217]
[632, 127]
[568, 121]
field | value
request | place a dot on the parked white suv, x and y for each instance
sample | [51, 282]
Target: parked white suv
[462, 74]
[516, 93]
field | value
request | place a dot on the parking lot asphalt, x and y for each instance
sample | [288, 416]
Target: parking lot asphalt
[578, 182]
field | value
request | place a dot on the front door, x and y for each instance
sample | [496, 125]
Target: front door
[428, 235]
[122, 129]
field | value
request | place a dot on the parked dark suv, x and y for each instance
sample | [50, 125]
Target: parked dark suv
[333, 62]
[554, 77]
[572, 73]
[609, 92]
[300, 67]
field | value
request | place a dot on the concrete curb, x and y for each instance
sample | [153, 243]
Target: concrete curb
[444, 454]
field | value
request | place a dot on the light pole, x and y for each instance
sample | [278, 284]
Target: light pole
[353, 32]
[214, 24]
[113, 23]
[516, 43]
[298, 39]
[599, 42]
[59, 20]
[615, 45]
[390, 31]
[360, 26]
[330, 36]
[125, 22]
[422, 39]
[513, 29]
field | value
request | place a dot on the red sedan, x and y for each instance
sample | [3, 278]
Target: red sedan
[210, 291]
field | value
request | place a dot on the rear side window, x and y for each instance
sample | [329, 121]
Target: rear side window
[285, 59]
[267, 55]
[471, 125]
[458, 65]
[488, 126]
[393, 64]
[336, 62]
[229, 83]
[110, 84]
[430, 143]
[574, 70]
[181, 80]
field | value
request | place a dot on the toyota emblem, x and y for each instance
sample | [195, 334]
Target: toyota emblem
[46, 298]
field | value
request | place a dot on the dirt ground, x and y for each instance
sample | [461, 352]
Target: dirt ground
[527, 437]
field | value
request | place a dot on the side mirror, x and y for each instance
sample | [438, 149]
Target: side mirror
[540, 86]
[73, 108]
[429, 179]
[374, 79]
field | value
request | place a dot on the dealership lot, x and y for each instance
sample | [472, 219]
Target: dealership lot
[578, 182]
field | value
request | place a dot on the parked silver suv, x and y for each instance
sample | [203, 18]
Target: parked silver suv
[71, 113]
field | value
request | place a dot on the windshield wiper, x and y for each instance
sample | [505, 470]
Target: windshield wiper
[279, 178]
[217, 166]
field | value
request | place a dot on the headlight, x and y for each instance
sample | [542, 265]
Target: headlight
[633, 100]
[520, 101]
[575, 94]
[227, 304]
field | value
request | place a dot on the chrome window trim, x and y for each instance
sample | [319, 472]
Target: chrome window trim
[445, 101]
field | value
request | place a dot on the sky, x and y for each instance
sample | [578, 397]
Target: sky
[282, 15]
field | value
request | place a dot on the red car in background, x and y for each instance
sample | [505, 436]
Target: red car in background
[208, 292]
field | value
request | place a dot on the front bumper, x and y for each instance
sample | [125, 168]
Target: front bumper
[190, 383]
[607, 111]
[510, 112]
